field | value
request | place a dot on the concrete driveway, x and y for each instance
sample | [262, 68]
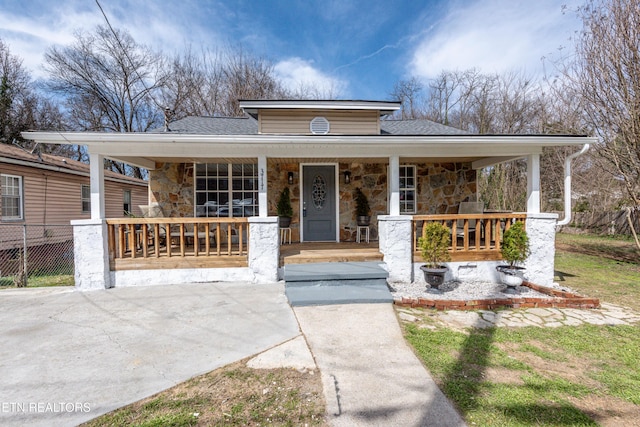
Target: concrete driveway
[69, 356]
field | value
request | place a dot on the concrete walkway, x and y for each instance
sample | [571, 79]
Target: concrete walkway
[68, 356]
[370, 376]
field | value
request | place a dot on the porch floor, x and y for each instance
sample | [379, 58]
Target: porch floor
[314, 252]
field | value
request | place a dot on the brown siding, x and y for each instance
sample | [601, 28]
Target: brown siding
[55, 198]
[342, 122]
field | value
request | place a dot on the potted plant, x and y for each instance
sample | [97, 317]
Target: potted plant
[285, 210]
[434, 245]
[362, 208]
[514, 250]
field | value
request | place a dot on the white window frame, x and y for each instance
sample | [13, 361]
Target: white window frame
[405, 189]
[200, 211]
[20, 196]
[86, 199]
[126, 200]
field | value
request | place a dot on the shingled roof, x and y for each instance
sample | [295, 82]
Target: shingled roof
[249, 126]
[11, 153]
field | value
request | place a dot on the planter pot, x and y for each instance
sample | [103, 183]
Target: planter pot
[284, 221]
[511, 276]
[434, 276]
[363, 221]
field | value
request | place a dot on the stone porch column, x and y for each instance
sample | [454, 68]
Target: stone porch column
[395, 244]
[91, 254]
[264, 248]
[541, 229]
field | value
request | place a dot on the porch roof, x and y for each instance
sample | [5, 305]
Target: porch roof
[145, 149]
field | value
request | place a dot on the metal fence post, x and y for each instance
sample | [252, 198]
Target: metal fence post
[24, 251]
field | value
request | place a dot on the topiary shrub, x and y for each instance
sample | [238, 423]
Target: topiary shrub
[515, 244]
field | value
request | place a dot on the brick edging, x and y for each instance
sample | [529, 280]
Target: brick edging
[562, 299]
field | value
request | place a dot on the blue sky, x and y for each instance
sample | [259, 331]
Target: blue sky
[355, 49]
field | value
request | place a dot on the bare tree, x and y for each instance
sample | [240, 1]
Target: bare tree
[22, 107]
[408, 92]
[605, 72]
[110, 82]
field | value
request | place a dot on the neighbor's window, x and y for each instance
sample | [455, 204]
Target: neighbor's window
[86, 198]
[11, 197]
[407, 189]
[126, 201]
[226, 189]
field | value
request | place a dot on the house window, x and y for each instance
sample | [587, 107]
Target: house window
[86, 198]
[126, 201]
[11, 197]
[226, 189]
[407, 189]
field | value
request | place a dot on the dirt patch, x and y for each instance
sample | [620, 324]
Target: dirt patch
[233, 396]
[623, 253]
[499, 375]
[608, 411]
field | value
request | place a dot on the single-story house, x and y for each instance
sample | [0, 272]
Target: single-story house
[214, 183]
[40, 193]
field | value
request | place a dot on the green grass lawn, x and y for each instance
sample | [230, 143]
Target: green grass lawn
[567, 376]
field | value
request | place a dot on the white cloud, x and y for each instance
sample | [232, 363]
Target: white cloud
[297, 73]
[494, 36]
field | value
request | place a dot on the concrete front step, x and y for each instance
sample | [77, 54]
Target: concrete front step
[336, 283]
[347, 292]
[334, 271]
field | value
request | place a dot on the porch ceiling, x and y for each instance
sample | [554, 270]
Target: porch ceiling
[290, 160]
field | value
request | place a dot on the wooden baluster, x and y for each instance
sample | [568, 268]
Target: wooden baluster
[168, 237]
[156, 239]
[182, 243]
[196, 239]
[207, 238]
[132, 240]
[112, 241]
[240, 238]
[145, 239]
[218, 239]
[121, 240]
[229, 238]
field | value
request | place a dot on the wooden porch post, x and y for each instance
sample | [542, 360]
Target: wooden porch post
[394, 183]
[262, 187]
[533, 183]
[96, 170]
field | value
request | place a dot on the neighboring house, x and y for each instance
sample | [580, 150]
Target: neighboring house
[215, 181]
[40, 190]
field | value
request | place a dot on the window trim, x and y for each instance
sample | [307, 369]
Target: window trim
[84, 200]
[413, 188]
[126, 191]
[20, 197]
[230, 177]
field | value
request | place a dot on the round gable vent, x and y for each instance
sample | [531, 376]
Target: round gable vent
[319, 126]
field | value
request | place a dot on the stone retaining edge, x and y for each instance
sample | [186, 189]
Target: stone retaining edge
[562, 299]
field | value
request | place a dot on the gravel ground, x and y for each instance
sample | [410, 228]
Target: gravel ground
[462, 291]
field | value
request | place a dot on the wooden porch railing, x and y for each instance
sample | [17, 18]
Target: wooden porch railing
[474, 237]
[175, 242]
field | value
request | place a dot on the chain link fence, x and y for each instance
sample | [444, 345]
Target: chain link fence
[36, 255]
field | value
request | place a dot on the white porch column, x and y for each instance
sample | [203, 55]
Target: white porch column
[394, 184]
[264, 248]
[91, 254]
[263, 206]
[541, 230]
[533, 184]
[96, 169]
[394, 233]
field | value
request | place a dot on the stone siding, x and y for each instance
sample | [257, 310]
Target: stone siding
[440, 189]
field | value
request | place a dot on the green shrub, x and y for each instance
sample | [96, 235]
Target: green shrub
[434, 244]
[284, 204]
[515, 244]
[362, 203]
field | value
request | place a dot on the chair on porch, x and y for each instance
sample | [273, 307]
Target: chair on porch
[468, 208]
